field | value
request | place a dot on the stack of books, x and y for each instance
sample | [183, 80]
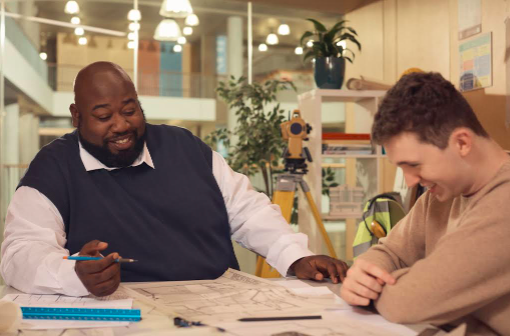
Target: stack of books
[347, 144]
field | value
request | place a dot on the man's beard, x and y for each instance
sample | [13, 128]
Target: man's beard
[123, 159]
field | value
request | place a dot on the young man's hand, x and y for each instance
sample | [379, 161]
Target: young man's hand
[100, 277]
[364, 282]
[319, 267]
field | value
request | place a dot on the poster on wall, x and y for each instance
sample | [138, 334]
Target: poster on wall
[476, 63]
[470, 18]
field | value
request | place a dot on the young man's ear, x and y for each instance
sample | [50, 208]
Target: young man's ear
[75, 115]
[462, 140]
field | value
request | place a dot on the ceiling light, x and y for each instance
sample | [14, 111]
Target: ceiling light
[187, 30]
[192, 20]
[167, 30]
[75, 20]
[134, 15]
[134, 26]
[181, 40]
[272, 39]
[262, 47]
[309, 44]
[177, 48]
[131, 45]
[175, 8]
[43, 56]
[298, 51]
[72, 7]
[131, 36]
[79, 31]
[284, 29]
[82, 40]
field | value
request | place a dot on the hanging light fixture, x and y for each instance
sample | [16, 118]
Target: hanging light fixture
[298, 51]
[272, 39]
[134, 15]
[75, 20]
[284, 29]
[187, 31]
[134, 26]
[43, 55]
[131, 45]
[192, 20]
[167, 30]
[79, 31]
[131, 36]
[309, 44]
[175, 8]
[262, 47]
[177, 48]
[82, 40]
[72, 7]
[181, 40]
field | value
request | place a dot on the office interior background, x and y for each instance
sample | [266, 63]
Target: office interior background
[47, 42]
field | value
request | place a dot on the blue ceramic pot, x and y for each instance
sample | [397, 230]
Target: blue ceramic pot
[329, 72]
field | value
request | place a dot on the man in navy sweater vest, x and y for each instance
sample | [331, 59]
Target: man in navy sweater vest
[120, 186]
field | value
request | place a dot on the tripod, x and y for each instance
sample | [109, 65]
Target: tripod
[286, 186]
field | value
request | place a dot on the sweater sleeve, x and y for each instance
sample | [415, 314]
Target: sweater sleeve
[467, 269]
[405, 244]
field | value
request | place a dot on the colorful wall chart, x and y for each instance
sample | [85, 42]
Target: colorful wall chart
[476, 63]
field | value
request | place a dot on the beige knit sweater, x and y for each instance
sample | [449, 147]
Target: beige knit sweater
[451, 261]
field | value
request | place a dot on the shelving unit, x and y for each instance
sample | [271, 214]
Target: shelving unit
[359, 110]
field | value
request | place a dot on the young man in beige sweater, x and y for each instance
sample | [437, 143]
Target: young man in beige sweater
[448, 260]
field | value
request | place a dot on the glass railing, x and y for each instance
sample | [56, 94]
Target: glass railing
[150, 83]
[10, 176]
[15, 34]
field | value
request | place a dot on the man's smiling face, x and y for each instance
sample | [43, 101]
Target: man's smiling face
[441, 171]
[108, 116]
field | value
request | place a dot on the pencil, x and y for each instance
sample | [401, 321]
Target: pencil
[280, 318]
[120, 260]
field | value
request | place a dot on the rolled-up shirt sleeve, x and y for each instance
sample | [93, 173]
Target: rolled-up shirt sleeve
[255, 222]
[33, 247]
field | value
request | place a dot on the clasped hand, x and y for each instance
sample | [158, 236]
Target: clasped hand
[364, 282]
[100, 277]
[320, 267]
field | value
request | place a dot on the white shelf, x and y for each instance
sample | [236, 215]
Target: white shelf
[352, 156]
[358, 118]
[342, 95]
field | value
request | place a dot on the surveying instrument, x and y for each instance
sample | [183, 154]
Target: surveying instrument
[294, 131]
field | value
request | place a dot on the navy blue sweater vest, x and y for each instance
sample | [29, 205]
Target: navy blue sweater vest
[172, 219]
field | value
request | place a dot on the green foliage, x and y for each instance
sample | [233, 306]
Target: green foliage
[328, 180]
[259, 145]
[325, 41]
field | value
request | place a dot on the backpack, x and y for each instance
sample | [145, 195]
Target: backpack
[380, 214]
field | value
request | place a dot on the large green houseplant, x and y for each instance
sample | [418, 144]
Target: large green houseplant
[326, 48]
[259, 144]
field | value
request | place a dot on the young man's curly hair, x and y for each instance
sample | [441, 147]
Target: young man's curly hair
[425, 104]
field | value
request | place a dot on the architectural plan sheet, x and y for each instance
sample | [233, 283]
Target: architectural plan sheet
[236, 295]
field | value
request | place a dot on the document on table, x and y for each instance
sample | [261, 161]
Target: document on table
[119, 300]
[234, 295]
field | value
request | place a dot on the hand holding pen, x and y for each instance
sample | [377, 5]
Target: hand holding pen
[101, 277]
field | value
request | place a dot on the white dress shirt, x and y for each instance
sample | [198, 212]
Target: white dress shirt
[33, 248]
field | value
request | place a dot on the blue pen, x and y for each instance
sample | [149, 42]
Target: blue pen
[81, 258]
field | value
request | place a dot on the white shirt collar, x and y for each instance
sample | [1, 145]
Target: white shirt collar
[91, 163]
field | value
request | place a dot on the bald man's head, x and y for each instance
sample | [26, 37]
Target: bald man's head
[108, 115]
[94, 75]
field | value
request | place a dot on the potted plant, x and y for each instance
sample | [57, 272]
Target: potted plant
[328, 52]
[259, 144]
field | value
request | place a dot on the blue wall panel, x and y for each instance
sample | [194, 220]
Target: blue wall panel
[170, 81]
